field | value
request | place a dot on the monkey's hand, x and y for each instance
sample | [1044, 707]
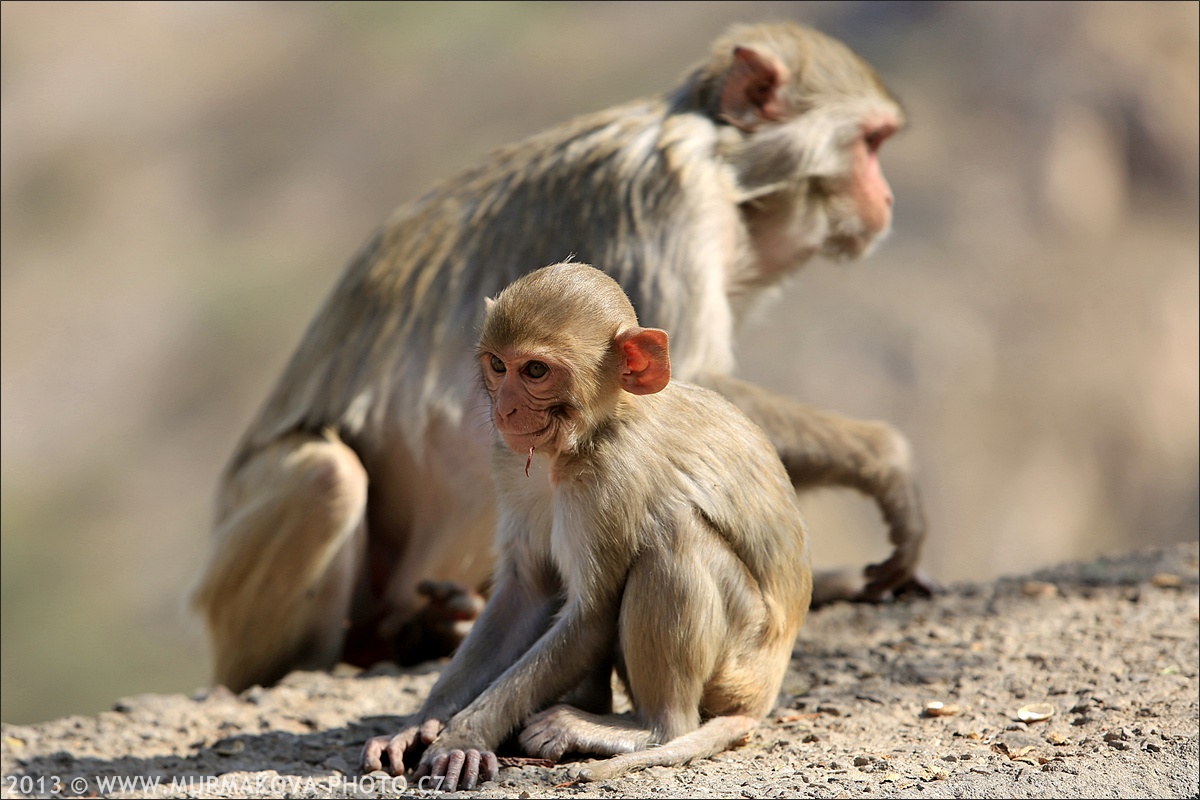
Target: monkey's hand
[407, 742]
[898, 574]
[452, 763]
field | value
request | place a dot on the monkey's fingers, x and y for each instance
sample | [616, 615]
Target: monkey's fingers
[491, 766]
[465, 769]
[372, 754]
[454, 770]
[545, 735]
[448, 767]
[394, 747]
[431, 729]
[432, 765]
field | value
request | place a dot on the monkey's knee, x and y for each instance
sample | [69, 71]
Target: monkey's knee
[285, 559]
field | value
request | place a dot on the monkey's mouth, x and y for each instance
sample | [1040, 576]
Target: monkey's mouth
[523, 441]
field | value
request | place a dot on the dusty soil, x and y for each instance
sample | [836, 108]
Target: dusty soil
[1110, 645]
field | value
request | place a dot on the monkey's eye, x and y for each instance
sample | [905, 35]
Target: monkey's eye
[536, 369]
[497, 364]
[875, 138]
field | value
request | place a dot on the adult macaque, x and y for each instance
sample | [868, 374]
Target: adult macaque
[645, 524]
[365, 472]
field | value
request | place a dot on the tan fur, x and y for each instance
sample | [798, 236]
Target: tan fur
[692, 215]
[662, 527]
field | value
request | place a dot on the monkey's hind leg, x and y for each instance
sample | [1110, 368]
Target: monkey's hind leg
[285, 558]
[676, 638]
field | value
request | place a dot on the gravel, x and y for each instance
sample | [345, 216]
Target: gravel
[1110, 645]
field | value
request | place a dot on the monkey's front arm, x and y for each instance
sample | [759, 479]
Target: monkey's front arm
[557, 662]
[513, 619]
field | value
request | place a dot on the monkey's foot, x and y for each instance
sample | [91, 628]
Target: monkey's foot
[564, 729]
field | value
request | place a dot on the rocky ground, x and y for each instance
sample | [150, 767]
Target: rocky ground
[1108, 648]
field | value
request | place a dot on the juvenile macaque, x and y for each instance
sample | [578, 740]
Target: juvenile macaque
[645, 524]
[365, 472]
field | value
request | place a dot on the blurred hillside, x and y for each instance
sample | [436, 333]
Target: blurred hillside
[181, 184]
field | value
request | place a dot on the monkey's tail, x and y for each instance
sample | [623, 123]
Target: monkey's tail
[715, 736]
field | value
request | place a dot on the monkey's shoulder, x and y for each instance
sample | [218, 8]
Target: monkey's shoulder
[685, 434]
[706, 416]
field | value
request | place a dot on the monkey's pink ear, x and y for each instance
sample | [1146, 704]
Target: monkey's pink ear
[647, 360]
[488, 302]
[751, 93]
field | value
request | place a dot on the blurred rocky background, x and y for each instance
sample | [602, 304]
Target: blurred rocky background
[183, 182]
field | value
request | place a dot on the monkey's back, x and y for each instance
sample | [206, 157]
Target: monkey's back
[390, 338]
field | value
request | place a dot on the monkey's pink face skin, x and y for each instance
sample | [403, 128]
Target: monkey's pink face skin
[527, 399]
[872, 194]
[857, 229]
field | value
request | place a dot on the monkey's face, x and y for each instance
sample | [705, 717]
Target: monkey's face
[860, 204]
[527, 391]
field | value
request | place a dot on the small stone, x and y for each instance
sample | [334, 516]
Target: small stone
[229, 747]
[1035, 712]
[1167, 580]
[937, 708]
[1039, 589]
